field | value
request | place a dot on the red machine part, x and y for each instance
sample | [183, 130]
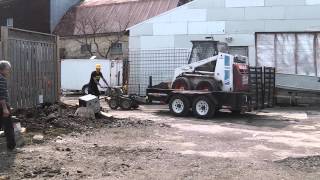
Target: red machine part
[241, 77]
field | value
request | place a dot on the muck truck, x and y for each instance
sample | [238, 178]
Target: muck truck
[212, 80]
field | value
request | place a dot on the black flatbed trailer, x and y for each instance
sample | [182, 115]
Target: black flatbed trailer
[203, 104]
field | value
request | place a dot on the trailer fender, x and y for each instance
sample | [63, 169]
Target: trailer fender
[213, 99]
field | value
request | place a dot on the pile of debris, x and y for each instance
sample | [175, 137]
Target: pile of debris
[55, 120]
[308, 163]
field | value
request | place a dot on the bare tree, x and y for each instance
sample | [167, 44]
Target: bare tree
[91, 27]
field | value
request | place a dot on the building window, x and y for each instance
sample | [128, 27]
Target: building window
[85, 48]
[116, 48]
[291, 53]
[239, 50]
[10, 22]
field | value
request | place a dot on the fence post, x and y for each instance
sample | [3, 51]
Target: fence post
[4, 41]
[150, 81]
[58, 70]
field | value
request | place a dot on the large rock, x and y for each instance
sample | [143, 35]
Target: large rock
[85, 112]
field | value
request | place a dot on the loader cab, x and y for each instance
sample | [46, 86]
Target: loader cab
[204, 49]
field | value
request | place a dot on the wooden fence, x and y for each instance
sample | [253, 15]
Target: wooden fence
[35, 76]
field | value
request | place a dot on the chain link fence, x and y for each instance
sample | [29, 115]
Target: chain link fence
[160, 64]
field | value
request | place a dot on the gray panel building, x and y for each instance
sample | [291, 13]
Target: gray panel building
[284, 34]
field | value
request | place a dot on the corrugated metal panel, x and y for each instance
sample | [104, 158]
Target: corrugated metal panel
[115, 15]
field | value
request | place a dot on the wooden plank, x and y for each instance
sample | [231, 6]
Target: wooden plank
[36, 64]
[53, 74]
[14, 83]
[4, 40]
[44, 70]
[19, 93]
[34, 75]
[21, 74]
[58, 65]
[0, 48]
[10, 81]
[29, 77]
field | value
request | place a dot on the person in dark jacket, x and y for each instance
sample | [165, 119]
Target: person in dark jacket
[5, 114]
[94, 81]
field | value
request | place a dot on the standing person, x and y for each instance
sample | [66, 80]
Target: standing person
[94, 81]
[5, 116]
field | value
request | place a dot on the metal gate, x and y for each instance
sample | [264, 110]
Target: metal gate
[35, 66]
[262, 86]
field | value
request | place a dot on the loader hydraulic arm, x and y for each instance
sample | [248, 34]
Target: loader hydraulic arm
[191, 67]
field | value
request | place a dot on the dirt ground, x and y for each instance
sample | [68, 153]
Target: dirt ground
[149, 143]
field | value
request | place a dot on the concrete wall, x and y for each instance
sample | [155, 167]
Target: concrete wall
[72, 47]
[58, 9]
[239, 19]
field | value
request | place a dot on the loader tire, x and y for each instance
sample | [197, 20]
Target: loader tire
[208, 86]
[181, 83]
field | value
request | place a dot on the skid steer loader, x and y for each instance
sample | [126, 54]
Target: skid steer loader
[212, 79]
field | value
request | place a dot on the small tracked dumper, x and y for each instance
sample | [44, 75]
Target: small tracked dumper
[116, 98]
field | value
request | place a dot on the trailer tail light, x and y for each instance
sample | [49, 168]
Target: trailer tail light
[241, 77]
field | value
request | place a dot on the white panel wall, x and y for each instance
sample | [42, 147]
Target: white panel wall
[170, 28]
[312, 2]
[239, 19]
[156, 42]
[244, 3]
[181, 14]
[206, 27]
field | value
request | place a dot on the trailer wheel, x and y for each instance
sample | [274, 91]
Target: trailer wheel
[135, 106]
[126, 104]
[179, 105]
[85, 89]
[203, 107]
[236, 112]
[181, 83]
[113, 104]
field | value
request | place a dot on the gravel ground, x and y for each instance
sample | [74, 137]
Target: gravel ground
[149, 143]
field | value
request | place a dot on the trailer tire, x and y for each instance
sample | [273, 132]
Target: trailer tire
[126, 104]
[182, 83]
[179, 105]
[135, 106]
[236, 112]
[85, 89]
[113, 104]
[203, 107]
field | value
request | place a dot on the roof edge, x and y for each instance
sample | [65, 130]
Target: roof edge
[162, 14]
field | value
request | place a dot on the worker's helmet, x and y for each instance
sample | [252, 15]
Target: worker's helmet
[98, 66]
